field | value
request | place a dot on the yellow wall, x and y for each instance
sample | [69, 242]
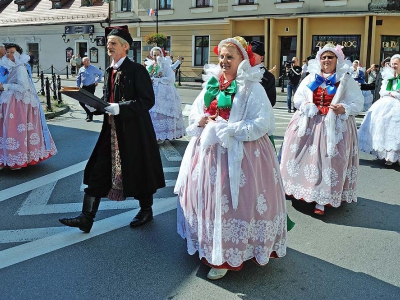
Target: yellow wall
[249, 28]
[390, 26]
[182, 36]
[336, 26]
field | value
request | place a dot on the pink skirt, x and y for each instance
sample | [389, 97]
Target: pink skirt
[254, 230]
[21, 135]
[307, 171]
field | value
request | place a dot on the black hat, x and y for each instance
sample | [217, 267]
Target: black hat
[257, 47]
[121, 32]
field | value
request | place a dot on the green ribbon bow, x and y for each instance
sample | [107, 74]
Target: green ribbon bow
[150, 71]
[224, 97]
[389, 86]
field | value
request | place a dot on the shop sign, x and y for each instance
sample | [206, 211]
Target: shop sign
[390, 44]
[79, 29]
[345, 44]
[348, 42]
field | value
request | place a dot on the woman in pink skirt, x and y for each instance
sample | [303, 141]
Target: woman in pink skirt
[231, 204]
[320, 150]
[24, 136]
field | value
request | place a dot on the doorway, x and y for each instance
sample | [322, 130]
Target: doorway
[288, 51]
[82, 49]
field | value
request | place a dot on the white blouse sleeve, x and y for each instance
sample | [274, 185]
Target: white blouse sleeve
[18, 80]
[259, 119]
[300, 96]
[196, 114]
[353, 99]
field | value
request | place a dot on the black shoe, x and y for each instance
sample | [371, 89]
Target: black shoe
[89, 119]
[84, 223]
[143, 216]
[289, 110]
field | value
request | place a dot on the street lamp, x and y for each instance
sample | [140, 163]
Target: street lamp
[91, 38]
[64, 36]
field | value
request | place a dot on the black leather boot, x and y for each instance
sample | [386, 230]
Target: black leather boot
[144, 215]
[84, 221]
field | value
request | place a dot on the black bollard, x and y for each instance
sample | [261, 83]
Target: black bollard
[42, 84]
[179, 77]
[67, 71]
[59, 89]
[54, 83]
[48, 102]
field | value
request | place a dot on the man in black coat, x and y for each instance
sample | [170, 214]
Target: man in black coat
[268, 80]
[126, 160]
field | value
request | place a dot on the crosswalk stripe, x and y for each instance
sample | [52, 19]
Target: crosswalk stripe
[71, 236]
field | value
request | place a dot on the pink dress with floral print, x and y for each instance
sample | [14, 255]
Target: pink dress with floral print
[307, 171]
[222, 235]
[22, 139]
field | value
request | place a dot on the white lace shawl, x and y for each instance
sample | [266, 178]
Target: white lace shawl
[18, 81]
[348, 94]
[167, 74]
[251, 117]
[388, 73]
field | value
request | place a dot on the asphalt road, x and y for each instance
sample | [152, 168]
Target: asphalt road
[350, 253]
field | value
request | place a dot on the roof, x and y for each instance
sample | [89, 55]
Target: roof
[42, 13]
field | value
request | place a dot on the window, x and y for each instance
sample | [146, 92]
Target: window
[246, 2]
[126, 5]
[201, 50]
[164, 4]
[202, 3]
[135, 52]
[34, 49]
[286, 1]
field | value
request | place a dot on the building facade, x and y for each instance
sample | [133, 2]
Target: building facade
[368, 30]
[55, 30]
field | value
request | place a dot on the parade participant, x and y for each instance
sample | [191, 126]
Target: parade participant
[320, 149]
[88, 77]
[358, 74]
[125, 161]
[3, 71]
[268, 79]
[166, 113]
[380, 130]
[231, 205]
[24, 136]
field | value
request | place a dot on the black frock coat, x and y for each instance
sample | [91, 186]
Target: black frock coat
[268, 83]
[142, 171]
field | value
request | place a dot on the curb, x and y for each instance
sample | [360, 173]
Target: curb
[53, 114]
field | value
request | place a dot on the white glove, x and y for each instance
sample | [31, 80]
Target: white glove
[91, 109]
[113, 109]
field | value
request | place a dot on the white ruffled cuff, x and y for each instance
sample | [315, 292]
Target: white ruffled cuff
[347, 112]
[309, 109]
